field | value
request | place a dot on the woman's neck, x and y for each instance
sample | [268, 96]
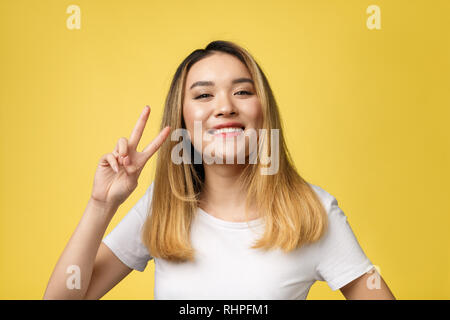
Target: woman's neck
[223, 195]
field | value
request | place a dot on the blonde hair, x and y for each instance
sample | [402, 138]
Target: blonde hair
[292, 211]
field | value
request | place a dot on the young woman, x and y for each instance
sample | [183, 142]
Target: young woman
[215, 230]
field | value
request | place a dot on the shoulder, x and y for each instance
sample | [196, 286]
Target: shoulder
[143, 204]
[149, 191]
[327, 199]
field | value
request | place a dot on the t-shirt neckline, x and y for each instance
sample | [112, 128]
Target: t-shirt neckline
[228, 224]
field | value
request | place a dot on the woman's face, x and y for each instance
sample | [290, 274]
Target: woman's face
[220, 95]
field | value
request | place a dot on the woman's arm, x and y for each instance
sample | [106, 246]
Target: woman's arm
[81, 252]
[108, 271]
[115, 179]
[362, 288]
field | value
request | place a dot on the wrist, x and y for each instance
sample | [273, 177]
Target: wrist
[103, 206]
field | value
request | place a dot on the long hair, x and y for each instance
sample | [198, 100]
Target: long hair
[292, 212]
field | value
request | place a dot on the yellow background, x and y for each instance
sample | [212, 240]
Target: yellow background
[366, 114]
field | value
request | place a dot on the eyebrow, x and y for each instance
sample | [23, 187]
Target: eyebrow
[211, 83]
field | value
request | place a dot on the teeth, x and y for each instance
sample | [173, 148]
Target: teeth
[227, 130]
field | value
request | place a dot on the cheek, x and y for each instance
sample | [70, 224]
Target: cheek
[192, 114]
[254, 114]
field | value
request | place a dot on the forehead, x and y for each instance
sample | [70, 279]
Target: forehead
[219, 67]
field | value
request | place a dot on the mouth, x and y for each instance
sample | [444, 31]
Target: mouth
[227, 130]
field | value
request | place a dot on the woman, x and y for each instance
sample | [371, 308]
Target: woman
[216, 229]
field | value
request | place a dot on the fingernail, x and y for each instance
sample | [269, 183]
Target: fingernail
[115, 169]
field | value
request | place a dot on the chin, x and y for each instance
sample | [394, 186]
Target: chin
[230, 154]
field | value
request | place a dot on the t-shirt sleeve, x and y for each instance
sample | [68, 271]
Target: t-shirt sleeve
[340, 258]
[125, 239]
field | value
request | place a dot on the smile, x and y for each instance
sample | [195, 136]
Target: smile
[226, 132]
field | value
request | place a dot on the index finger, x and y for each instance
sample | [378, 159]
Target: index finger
[139, 128]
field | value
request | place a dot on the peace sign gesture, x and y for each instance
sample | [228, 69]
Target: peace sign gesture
[118, 172]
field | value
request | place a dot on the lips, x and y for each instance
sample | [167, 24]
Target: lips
[227, 127]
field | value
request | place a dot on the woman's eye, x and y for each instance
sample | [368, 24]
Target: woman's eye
[245, 92]
[239, 93]
[202, 96]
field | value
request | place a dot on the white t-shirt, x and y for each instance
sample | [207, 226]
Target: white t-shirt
[225, 266]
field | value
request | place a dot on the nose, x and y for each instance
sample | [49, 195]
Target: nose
[225, 108]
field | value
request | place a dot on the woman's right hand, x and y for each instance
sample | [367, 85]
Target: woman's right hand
[118, 172]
